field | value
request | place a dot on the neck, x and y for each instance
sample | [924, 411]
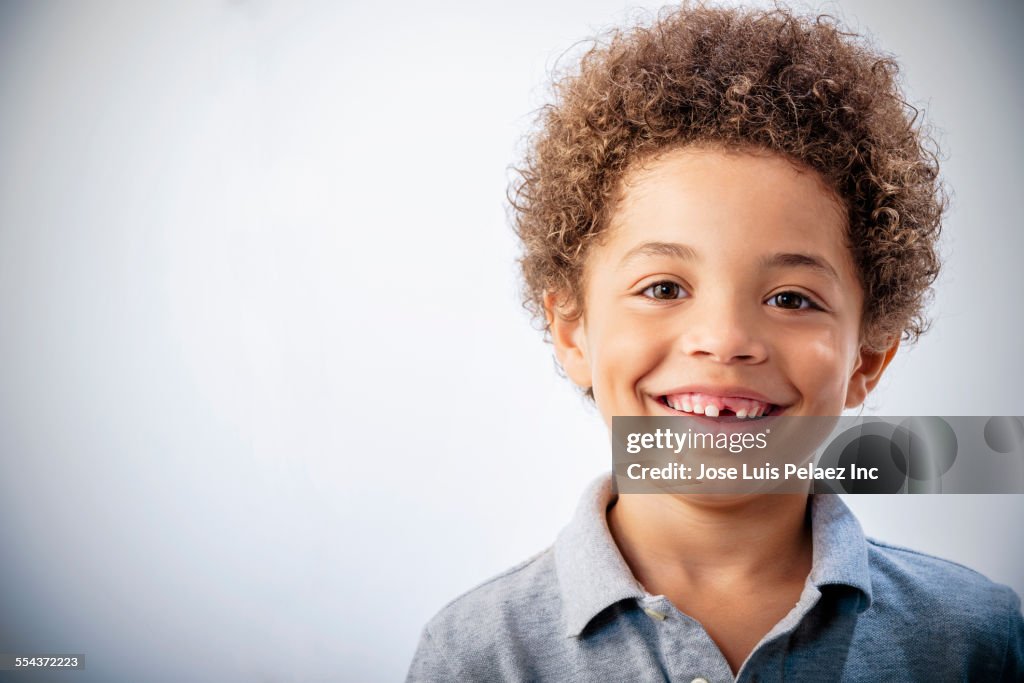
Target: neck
[671, 539]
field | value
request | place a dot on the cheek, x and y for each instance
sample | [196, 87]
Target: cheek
[821, 365]
[627, 348]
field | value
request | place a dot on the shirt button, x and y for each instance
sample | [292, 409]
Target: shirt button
[655, 614]
[699, 680]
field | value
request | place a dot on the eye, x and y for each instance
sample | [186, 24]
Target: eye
[664, 290]
[793, 301]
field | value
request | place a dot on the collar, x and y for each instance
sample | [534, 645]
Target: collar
[840, 550]
[592, 575]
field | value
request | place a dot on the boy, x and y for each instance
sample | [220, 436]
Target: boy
[728, 211]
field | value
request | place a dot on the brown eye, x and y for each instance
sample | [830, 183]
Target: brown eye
[664, 290]
[791, 300]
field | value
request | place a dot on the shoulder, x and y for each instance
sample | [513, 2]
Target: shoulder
[484, 631]
[921, 594]
[935, 582]
[498, 602]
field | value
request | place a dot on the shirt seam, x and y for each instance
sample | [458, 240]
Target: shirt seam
[441, 652]
[889, 546]
[1011, 613]
[508, 572]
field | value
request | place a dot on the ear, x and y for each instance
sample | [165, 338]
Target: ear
[868, 372]
[568, 334]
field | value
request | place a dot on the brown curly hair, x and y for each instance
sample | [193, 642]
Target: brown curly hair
[797, 86]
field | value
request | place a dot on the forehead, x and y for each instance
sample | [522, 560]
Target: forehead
[731, 205]
[713, 181]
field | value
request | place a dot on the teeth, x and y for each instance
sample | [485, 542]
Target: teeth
[744, 408]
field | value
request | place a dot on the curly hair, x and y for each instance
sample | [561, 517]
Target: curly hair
[797, 86]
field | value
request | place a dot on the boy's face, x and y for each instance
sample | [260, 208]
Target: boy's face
[723, 280]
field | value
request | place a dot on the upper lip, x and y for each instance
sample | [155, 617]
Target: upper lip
[721, 391]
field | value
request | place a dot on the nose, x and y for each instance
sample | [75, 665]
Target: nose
[721, 328]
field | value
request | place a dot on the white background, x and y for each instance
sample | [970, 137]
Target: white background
[267, 396]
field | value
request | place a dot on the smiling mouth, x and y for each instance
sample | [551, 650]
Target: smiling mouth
[708, 405]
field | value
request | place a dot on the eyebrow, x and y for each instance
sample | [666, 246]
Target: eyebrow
[673, 249]
[793, 260]
[687, 253]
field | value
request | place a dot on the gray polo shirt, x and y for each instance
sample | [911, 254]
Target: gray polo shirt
[868, 612]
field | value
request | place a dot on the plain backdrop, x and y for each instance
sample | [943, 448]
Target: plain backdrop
[268, 399]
